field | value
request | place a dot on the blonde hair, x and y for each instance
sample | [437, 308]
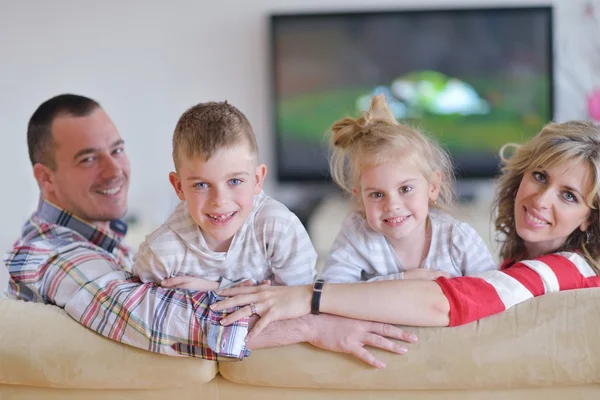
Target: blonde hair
[208, 127]
[577, 141]
[375, 138]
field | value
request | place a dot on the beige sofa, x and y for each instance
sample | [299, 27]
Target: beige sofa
[547, 348]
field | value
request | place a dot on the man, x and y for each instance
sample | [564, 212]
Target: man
[71, 254]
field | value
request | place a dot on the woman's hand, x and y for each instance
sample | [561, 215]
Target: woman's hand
[425, 274]
[271, 303]
[190, 283]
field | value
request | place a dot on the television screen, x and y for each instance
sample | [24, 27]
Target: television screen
[473, 79]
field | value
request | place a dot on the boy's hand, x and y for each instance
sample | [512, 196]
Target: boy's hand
[425, 274]
[189, 282]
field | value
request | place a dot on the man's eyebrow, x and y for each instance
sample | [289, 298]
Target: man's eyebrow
[91, 150]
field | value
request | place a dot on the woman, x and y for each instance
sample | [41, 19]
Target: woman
[547, 210]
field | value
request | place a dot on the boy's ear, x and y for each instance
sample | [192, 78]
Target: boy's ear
[261, 173]
[44, 177]
[176, 182]
[434, 185]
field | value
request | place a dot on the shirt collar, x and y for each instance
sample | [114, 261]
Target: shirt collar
[100, 237]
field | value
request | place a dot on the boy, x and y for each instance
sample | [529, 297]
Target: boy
[225, 230]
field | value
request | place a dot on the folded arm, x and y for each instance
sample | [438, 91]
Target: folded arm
[101, 296]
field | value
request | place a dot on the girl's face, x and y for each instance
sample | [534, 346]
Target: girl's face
[550, 205]
[396, 198]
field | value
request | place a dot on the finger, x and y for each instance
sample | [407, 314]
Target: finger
[174, 281]
[235, 291]
[258, 327]
[230, 302]
[266, 282]
[247, 282]
[380, 342]
[391, 331]
[363, 354]
[236, 316]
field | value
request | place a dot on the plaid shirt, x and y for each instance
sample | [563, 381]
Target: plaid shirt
[62, 260]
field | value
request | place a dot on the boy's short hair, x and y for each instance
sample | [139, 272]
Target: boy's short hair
[208, 127]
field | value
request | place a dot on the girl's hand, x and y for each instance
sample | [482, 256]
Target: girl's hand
[190, 283]
[248, 282]
[271, 303]
[425, 274]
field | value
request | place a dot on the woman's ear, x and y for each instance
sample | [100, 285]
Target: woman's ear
[176, 183]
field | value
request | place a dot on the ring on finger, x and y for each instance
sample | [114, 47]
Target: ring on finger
[253, 309]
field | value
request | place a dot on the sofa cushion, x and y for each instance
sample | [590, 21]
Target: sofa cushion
[552, 340]
[40, 345]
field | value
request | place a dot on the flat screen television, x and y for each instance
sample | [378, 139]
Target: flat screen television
[472, 78]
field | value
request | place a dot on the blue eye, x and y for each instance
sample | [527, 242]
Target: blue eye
[570, 197]
[201, 185]
[235, 181]
[539, 176]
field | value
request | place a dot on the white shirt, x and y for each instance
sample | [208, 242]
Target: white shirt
[359, 253]
[271, 244]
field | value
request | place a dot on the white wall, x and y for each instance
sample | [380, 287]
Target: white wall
[145, 61]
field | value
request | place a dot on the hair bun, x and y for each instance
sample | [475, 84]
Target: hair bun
[348, 130]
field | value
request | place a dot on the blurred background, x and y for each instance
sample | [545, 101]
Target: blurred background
[146, 61]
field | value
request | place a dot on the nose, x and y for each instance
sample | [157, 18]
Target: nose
[391, 203]
[543, 199]
[218, 196]
[111, 168]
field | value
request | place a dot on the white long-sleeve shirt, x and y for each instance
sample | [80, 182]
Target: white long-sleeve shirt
[359, 253]
[271, 244]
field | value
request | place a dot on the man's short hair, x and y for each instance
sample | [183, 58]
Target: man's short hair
[206, 128]
[40, 142]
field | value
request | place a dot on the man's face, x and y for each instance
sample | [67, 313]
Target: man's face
[91, 179]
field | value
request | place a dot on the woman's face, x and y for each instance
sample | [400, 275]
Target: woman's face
[550, 205]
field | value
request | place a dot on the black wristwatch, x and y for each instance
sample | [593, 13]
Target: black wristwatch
[316, 296]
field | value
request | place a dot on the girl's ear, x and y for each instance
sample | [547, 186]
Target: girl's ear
[434, 186]
[176, 183]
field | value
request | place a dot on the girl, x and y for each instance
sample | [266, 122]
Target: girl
[547, 210]
[400, 181]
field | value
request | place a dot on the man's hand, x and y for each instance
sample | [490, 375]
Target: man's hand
[344, 335]
[425, 274]
[189, 282]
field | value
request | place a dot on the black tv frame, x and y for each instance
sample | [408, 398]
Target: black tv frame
[317, 178]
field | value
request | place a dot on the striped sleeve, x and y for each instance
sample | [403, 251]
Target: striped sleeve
[291, 254]
[475, 297]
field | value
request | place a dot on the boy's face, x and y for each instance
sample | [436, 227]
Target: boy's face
[220, 191]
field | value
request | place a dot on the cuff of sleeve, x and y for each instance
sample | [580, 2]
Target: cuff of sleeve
[230, 340]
